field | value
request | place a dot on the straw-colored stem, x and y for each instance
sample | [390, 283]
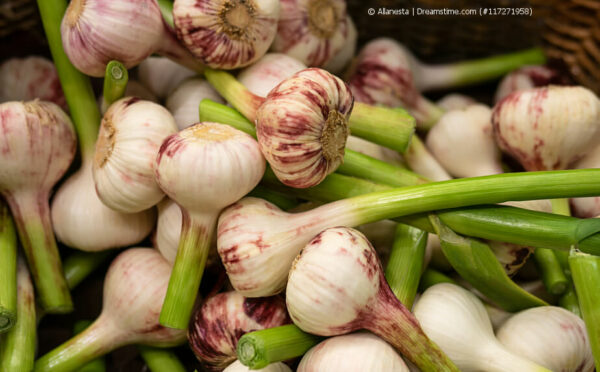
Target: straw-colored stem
[8, 270]
[115, 83]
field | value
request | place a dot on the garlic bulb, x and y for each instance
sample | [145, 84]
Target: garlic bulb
[237, 366]
[362, 351]
[131, 133]
[136, 89]
[463, 142]
[217, 326]
[587, 207]
[226, 34]
[168, 229]
[342, 59]
[94, 32]
[134, 289]
[24, 79]
[336, 286]
[528, 77]
[455, 101]
[184, 100]
[82, 221]
[303, 125]
[550, 336]
[547, 128]
[161, 75]
[261, 77]
[457, 321]
[37, 143]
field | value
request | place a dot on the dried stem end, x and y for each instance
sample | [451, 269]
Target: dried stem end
[235, 18]
[74, 12]
[334, 135]
[322, 18]
[106, 142]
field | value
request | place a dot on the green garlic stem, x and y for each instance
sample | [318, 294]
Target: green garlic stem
[8, 270]
[281, 200]
[96, 365]
[166, 8]
[115, 83]
[554, 278]
[160, 360]
[432, 277]
[79, 265]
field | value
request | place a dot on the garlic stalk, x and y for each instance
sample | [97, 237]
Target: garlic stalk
[130, 135]
[161, 75]
[455, 101]
[261, 77]
[183, 101]
[97, 31]
[37, 145]
[336, 286]
[361, 351]
[216, 327]
[134, 289]
[528, 77]
[25, 79]
[587, 207]
[226, 34]
[313, 31]
[275, 367]
[193, 166]
[457, 321]
[463, 142]
[157, 359]
[115, 84]
[8, 270]
[550, 336]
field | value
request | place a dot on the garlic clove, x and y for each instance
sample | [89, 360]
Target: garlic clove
[183, 102]
[237, 366]
[550, 336]
[547, 128]
[312, 31]
[361, 351]
[528, 77]
[455, 101]
[226, 34]
[303, 125]
[463, 142]
[131, 133]
[161, 75]
[261, 77]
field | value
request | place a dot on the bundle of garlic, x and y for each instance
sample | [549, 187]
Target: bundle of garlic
[184, 99]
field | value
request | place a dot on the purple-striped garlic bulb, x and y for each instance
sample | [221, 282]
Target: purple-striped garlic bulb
[162, 75]
[342, 59]
[261, 77]
[548, 128]
[528, 77]
[302, 127]
[226, 34]
[336, 286]
[25, 79]
[131, 133]
[455, 101]
[587, 207]
[184, 100]
[463, 142]
[94, 32]
[134, 290]
[219, 323]
[313, 31]
[237, 366]
[360, 351]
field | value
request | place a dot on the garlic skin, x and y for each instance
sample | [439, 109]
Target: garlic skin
[373, 150]
[82, 221]
[528, 77]
[547, 128]
[184, 100]
[303, 125]
[342, 59]
[511, 256]
[457, 321]
[261, 77]
[24, 79]
[226, 34]
[361, 351]
[237, 366]
[168, 229]
[216, 327]
[587, 207]
[455, 101]
[131, 133]
[161, 75]
[550, 336]
[312, 31]
[463, 142]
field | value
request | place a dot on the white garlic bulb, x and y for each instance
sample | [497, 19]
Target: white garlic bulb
[455, 101]
[168, 229]
[161, 75]
[528, 77]
[237, 366]
[342, 59]
[183, 102]
[261, 77]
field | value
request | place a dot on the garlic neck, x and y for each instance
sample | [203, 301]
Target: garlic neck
[494, 357]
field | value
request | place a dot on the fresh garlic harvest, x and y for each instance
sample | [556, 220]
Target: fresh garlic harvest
[456, 320]
[37, 143]
[303, 125]
[463, 142]
[261, 77]
[134, 289]
[528, 77]
[131, 133]
[237, 366]
[547, 128]
[216, 327]
[455, 101]
[25, 79]
[550, 336]
[312, 31]
[361, 351]
[184, 100]
[94, 32]
[336, 286]
[161, 75]
[82, 221]
[226, 34]
[587, 207]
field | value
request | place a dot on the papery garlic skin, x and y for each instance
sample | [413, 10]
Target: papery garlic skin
[261, 77]
[303, 125]
[455, 101]
[361, 351]
[463, 142]
[183, 102]
[237, 366]
[82, 221]
[226, 34]
[550, 336]
[131, 133]
[312, 31]
[161, 75]
[547, 128]
[587, 207]
[511, 256]
[528, 77]
[24, 79]
[216, 327]
[342, 59]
